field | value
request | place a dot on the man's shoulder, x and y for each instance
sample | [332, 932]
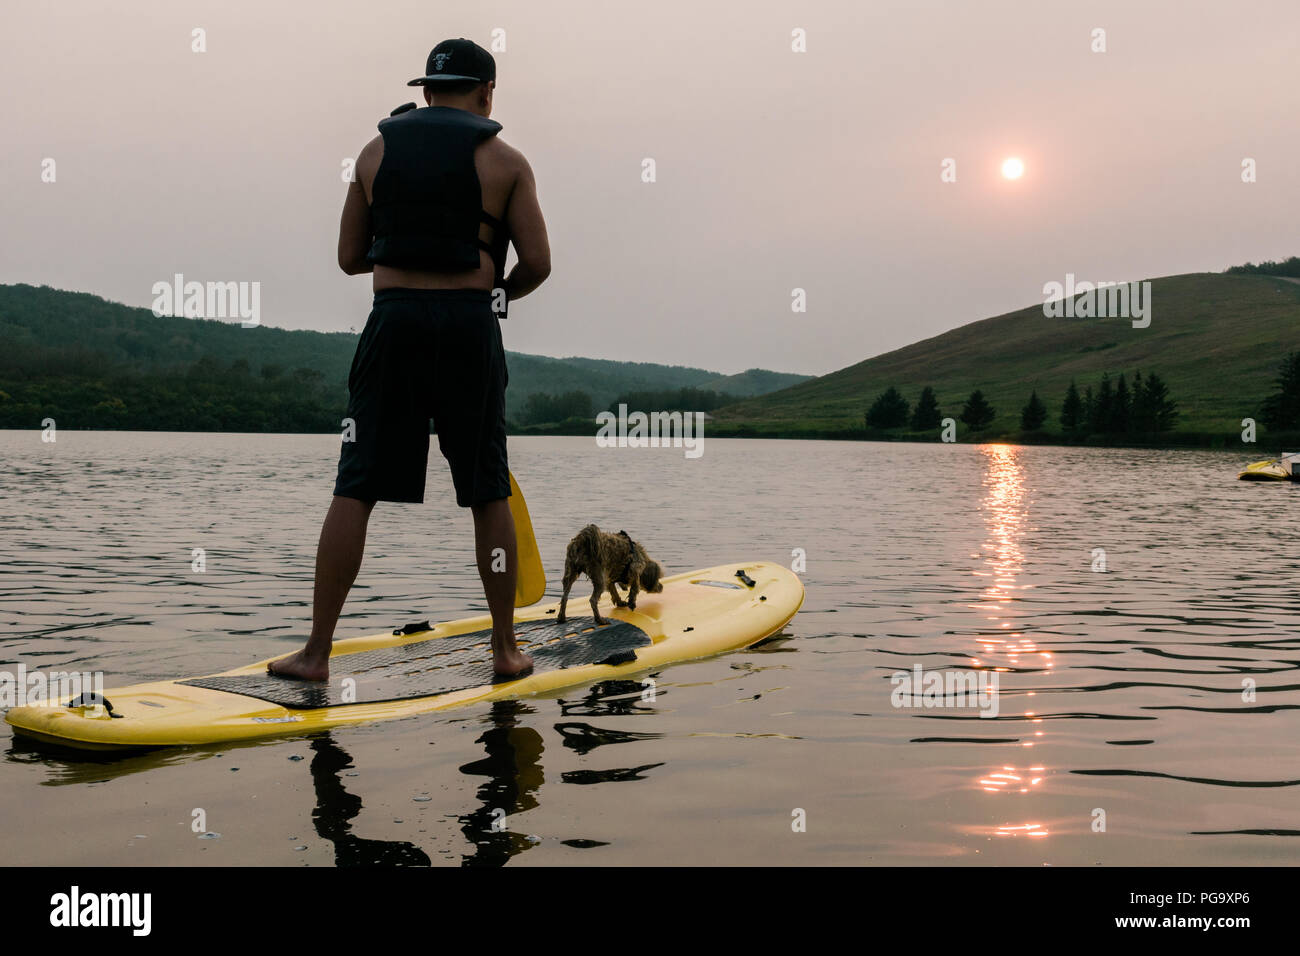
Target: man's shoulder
[371, 153]
[502, 152]
[503, 148]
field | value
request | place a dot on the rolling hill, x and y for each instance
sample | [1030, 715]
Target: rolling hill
[1215, 339]
[95, 363]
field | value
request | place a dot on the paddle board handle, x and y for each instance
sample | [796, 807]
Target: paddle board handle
[748, 581]
[92, 699]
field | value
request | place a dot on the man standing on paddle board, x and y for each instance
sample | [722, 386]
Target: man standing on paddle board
[435, 200]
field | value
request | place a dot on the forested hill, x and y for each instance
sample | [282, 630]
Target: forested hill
[88, 362]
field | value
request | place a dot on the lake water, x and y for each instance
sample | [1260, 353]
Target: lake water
[1120, 690]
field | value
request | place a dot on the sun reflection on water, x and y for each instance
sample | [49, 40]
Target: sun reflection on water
[1006, 649]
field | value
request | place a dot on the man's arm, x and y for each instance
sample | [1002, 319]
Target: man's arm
[528, 233]
[355, 235]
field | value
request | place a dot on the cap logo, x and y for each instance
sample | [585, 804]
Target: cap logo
[440, 60]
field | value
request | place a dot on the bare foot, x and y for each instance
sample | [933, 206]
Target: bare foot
[513, 663]
[300, 666]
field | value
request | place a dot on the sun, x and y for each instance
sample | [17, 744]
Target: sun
[1012, 168]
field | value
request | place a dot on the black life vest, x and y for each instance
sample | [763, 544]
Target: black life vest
[426, 200]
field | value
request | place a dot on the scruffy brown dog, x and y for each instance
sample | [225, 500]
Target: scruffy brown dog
[609, 559]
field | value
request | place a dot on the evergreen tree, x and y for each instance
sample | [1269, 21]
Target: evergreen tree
[1163, 410]
[1072, 410]
[1122, 407]
[889, 410]
[1033, 415]
[978, 414]
[1282, 408]
[927, 415]
[1089, 411]
[1103, 407]
[1140, 419]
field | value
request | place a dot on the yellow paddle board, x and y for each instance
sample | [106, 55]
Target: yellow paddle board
[1271, 470]
[423, 668]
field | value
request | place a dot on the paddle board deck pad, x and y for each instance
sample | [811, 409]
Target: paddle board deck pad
[423, 668]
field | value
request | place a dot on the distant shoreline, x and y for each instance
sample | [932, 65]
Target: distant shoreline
[1208, 441]
[1194, 441]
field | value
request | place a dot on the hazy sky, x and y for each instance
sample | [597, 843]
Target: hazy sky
[776, 169]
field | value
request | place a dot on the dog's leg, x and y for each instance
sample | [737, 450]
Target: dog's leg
[613, 593]
[598, 584]
[634, 576]
[570, 576]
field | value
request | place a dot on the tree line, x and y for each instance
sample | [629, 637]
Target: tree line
[892, 410]
[1114, 408]
[1287, 267]
[208, 395]
[542, 408]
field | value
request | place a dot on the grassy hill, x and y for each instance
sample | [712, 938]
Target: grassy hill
[89, 362]
[1215, 339]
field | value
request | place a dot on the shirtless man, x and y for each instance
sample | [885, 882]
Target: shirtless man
[436, 197]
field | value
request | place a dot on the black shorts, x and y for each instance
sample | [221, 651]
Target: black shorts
[427, 354]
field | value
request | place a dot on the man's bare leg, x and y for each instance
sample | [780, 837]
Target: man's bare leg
[338, 559]
[495, 528]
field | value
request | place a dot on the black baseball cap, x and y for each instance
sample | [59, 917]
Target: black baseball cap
[457, 60]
